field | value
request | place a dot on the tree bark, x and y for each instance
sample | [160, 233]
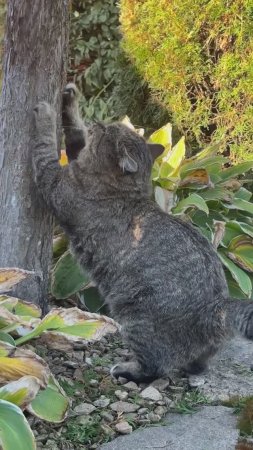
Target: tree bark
[35, 56]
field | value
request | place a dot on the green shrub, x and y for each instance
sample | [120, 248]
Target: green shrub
[94, 49]
[198, 58]
[111, 85]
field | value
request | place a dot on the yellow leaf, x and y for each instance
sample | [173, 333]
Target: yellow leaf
[63, 159]
[9, 277]
[20, 392]
[16, 363]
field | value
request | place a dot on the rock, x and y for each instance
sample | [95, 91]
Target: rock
[84, 420]
[107, 430]
[124, 407]
[211, 428]
[151, 393]
[88, 361]
[131, 386]
[71, 364]
[79, 356]
[84, 408]
[196, 381]
[121, 395]
[161, 384]
[93, 382]
[154, 418]
[107, 416]
[177, 389]
[160, 410]
[102, 402]
[142, 411]
[123, 428]
[78, 375]
[122, 380]
[229, 374]
[161, 402]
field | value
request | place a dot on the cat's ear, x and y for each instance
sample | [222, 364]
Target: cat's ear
[155, 150]
[127, 163]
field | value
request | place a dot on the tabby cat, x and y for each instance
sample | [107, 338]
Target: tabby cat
[161, 279]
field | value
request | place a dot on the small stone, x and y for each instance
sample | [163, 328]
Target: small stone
[102, 402]
[123, 428]
[122, 380]
[154, 418]
[131, 386]
[177, 389]
[168, 401]
[161, 402]
[160, 410]
[107, 430]
[122, 352]
[88, 361]
[107, 416]
[84, 419]
[84, 408]
[161, 384]
[121, 395]
[79, 356]
[78, 375]
[142, 411]
[71, 364]
[93, 382]
[124, 407]
[195, 381]
[151, 393]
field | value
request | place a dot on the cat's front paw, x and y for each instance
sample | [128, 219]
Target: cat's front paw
[45, 120]
[70, 95]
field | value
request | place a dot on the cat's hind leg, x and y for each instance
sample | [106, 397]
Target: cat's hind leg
[133, 371]
[200, 364]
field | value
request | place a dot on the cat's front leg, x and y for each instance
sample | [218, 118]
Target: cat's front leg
[46, 168]
[74, 129]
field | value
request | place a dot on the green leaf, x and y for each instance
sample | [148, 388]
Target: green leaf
[164, 198]
[211, 150]
[69, 323]
[5, 337]
[21, 392]
[15, 432]
[20, 307]
[211, 163]
[51, 404]
[234, 171]
[162, 136]
[238, 274]
[234, 290]
[243, 205]
[240, 250]
[216, 193]
[194, 200]
[244, 194]
[60, 244]
[67, 277]
[234, 228]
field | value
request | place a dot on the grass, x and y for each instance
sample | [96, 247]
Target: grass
[84, 433]
[190, 402]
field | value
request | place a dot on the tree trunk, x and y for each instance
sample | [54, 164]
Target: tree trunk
[35, 57]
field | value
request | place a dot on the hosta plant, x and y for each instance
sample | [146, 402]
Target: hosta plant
[26, 382]
[207, 191]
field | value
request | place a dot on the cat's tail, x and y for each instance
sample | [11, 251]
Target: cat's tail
[240, 316]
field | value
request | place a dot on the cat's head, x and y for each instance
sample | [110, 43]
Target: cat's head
[117, 149]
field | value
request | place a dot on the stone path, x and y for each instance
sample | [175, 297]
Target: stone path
[212, 427]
